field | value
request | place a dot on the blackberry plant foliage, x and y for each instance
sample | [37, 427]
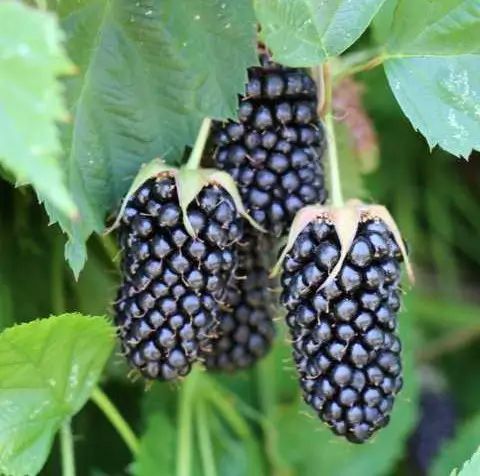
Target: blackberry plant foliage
[274, 149]
[341, 288]
[91, 91]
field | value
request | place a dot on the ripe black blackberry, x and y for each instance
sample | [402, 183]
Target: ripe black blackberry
[246, 329]
[168, 304]
[274, 152]
[343, 329]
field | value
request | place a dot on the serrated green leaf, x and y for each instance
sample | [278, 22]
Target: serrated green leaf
[440, 96]
[470, 467]
[446, 27]
[382, 23]
[226, 30]
[31, 59]
[307, 32]
[48, 368]
[456, 451]
[157, 448]
[143, 87]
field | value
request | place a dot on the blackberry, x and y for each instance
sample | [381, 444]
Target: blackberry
[168, 305]
[274, 151]
[246, 328]
[345, 345]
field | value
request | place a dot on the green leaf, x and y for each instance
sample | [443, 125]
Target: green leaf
[149, 72]
[446, 27]
[431, 61]
[440, 96]
[224, 31]
[470, 467]
[382, 23]
[48, 369]
[157, 448]
[307, 32]
[456, 451]
[31, 59]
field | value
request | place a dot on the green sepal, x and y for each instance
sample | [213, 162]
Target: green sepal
[189, 183]
[153, 169]
[303, 217]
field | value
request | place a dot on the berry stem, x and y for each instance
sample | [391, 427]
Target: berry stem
[205, 440]
[197, 151]
[68, 453]
[359, 62]
[116, 419]
[184, 424]
[333, 165]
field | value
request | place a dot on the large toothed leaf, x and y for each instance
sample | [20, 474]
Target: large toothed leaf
[48, 369]
[432, 62]
[216, 38]
[308, 32]
[149, 71]
[446, 27]
[31, 60]
[441, 97]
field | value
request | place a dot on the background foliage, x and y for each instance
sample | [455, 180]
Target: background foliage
[136, 80]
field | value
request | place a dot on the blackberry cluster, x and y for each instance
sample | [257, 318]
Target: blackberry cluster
[274, 151]
[246, 329]
[344, 337]
[168, 305]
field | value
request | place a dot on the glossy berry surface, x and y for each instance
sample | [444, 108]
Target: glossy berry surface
[246, 330]
[168, 304]
[274, 151]
[345, 343]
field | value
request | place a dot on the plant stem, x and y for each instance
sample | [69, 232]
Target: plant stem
[197, 151]
[205, 440]
[358, 62]
[333, 165]
[184, 424]
[116, 419]
[68, 455]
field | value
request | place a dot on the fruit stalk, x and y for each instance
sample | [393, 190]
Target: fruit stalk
[197, 151]
[333, 165]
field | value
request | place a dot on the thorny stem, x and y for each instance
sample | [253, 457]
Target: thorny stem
[197, 151]
[333, 165]
[116, 419]
[68, 455]
[184, 424]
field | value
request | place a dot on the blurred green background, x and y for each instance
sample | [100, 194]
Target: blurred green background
[255, 420]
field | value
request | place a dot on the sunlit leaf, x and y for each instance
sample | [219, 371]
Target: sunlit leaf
[48, 369]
